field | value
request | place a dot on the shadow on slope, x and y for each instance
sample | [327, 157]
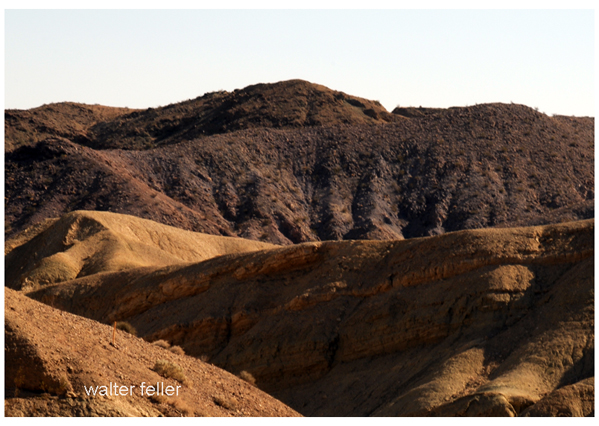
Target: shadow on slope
[84, 243]
[52, 357]
[482, 322]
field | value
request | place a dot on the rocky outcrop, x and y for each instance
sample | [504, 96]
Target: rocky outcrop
[483, 322]
[575, 400]
[54, 358]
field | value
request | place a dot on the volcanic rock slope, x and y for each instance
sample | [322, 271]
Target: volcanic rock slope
[479, 322]
[294, 162]
[67, 119]
[289, 104]
[52, 358]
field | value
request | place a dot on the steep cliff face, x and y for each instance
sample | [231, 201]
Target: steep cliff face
[484, 322]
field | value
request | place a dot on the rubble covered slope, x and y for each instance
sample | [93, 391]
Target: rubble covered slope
[52, 359]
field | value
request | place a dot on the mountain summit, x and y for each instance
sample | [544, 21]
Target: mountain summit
[287, 104]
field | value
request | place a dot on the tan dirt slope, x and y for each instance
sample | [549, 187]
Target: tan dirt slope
[86, 242]
[481, 322]
[52, 357]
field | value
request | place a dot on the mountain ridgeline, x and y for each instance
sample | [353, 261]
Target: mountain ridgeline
[108, 212]
[293, 162]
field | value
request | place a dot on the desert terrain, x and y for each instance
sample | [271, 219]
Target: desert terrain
[52, 358]
[295, 250]
[329, 172]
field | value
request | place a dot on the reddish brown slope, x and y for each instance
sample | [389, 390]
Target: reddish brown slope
[67, 119]
[52, 357]
[286, 104]
[58, 176]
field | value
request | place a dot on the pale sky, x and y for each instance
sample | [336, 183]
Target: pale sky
[432, 58]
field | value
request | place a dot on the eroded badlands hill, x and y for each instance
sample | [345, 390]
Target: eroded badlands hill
[482, 322]
[52, 357]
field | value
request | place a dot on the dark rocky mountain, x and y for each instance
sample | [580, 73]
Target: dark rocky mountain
[492, 165]
[68, 120]
[287, 104]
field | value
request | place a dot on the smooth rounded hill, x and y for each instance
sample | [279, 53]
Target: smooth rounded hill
[83, 243]
[493, 322]
[55, 361]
